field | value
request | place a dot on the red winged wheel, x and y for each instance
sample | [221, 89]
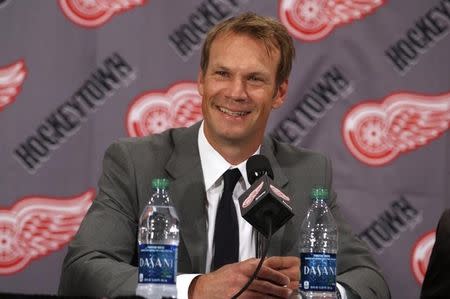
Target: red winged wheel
[37, 226]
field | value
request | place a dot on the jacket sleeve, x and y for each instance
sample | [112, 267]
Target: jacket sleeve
[357, 271]
[102, 258]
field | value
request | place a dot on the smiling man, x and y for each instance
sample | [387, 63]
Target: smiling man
[245, 64]
[238, 94]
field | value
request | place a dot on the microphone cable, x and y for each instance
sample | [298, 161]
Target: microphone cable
[255, 273]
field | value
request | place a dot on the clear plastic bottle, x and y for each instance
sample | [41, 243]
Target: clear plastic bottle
[158, 239]
[318, 248]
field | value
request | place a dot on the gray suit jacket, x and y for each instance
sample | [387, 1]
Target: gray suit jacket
[102, 258]
[437, 278]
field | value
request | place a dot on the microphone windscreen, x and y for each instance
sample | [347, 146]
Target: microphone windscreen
[257, 166]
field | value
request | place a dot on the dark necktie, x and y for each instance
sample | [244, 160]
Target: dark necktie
[226, 231]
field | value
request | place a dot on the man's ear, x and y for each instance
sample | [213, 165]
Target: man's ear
[200, 82]
[280, 95]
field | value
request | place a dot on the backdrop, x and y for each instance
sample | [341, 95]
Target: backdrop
[370, 87]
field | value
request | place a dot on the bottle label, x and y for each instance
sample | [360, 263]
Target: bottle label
[318, 272]
[157, 263]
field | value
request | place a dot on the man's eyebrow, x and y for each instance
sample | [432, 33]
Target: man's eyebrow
[219, 66]
[259, 73]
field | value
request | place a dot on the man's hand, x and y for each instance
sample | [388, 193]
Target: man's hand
[289, 266]
[277, 278]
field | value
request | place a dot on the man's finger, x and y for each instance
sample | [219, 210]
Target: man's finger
[293, 273]
[274, 276]
[268, 288]
[282, 262]
[293, 285]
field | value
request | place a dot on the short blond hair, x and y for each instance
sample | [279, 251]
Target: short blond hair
[268, 30]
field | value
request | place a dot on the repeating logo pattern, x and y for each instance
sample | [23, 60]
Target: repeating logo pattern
[156, 111]
[11, 80]
[311, 20]
[377, 132]
[94, 13]
[37, 226]
[420, 256]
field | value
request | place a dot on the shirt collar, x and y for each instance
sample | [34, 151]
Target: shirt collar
[214, 165]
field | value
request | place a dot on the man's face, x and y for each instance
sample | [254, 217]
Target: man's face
[239, 90]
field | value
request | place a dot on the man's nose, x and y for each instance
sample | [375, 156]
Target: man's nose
[237, 89]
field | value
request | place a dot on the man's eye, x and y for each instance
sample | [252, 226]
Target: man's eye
[221, 73]
[254, 78]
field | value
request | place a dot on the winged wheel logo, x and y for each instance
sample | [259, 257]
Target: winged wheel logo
[36, 226]
[311, 20]
[94, 13]
[156, 111]
[377, 132]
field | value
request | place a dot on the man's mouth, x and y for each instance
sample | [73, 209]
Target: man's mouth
[233, 113]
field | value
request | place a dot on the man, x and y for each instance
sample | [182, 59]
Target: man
[244, 73]
[436, 282]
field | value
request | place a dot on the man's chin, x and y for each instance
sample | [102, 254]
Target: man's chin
[236, 137]
[229, 133]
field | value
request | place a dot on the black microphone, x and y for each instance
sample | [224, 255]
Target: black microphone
[263, 199]
[263, 205]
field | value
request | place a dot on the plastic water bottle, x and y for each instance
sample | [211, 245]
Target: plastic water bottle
[318, 247]
[158, 239]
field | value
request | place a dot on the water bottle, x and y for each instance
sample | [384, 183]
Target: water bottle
[318, 247]
[158, 239]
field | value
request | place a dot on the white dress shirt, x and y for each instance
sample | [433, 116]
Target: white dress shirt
[213, 167]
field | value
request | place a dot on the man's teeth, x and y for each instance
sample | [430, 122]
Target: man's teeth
[232, 113]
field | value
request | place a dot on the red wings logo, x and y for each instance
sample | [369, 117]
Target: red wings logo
[311, 20]
[93, 13]
[420, 256]
[279, 193]
[36, 226]
[156, 111]
[251, 197]
[11, 80]
[376, 133]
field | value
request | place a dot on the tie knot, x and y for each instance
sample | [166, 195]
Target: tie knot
[230, 178]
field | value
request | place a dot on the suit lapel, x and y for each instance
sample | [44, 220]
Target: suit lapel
[188, 193]
[281, 180]
[268, 150]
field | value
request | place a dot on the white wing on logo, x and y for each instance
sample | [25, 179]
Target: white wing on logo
[345, 11]
[36, 226]
[119, 5]
[376, 133]
[414, 121]
[11, 79]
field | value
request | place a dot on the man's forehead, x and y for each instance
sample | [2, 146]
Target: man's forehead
[269, 45]
[221, 43]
